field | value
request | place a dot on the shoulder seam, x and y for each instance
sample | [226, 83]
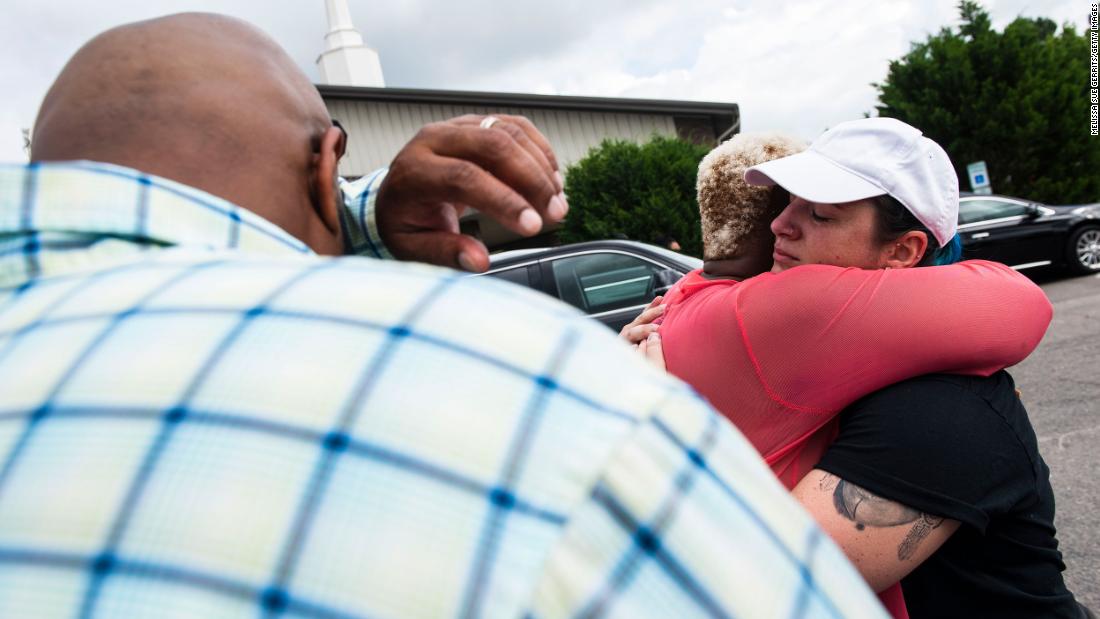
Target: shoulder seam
[998, 413]
[775, 397]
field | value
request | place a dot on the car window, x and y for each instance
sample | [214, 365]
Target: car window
[516, 275]
[972, 211]
[604, 281]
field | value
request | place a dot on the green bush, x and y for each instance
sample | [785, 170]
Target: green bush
[641, 191]
[1018, 99]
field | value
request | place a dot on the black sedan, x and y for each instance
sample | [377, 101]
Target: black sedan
[610, 281]
[1023, 234]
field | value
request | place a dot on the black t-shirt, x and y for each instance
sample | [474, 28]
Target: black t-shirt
[962, 448]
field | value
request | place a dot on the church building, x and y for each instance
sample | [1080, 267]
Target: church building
[380, 120]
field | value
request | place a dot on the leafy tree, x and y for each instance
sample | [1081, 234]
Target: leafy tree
[1017, 99]
[644, 192]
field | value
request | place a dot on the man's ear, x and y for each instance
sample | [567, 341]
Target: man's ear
[327, 201]
[905, 251]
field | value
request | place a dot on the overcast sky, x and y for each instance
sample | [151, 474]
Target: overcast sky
[793, 65]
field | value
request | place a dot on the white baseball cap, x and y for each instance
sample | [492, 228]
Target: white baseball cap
[870, 157]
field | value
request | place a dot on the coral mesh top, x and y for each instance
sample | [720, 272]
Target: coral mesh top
[781, 354]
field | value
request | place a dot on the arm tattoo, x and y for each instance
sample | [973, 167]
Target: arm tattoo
[866, 508]
[828, 482]
[919, 531]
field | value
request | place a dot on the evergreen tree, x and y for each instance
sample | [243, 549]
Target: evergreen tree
[645, 192]
[1017, 99]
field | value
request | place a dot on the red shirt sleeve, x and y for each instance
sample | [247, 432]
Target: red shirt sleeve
[820, 337]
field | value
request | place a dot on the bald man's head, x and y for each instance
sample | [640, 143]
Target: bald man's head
[208, 101]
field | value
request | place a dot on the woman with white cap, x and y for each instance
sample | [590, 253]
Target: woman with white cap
[876, 175]
[783, 353]
[937, 480]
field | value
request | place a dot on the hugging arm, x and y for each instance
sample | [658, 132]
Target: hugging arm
[915, 461]
[883, 538]
[857, 331]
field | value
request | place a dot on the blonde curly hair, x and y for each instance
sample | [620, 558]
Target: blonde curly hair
[733, 211]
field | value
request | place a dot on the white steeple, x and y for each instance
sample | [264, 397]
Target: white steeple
[346, 61]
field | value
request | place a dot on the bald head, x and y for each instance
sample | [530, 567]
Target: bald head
[205, 100]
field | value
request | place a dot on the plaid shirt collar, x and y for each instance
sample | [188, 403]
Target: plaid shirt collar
[92, 211]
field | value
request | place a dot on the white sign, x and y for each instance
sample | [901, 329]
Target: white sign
[979, 178]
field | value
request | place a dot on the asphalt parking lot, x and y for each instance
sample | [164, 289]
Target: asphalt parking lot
[1061, 388]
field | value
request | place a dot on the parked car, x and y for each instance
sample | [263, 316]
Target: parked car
[1024, 234]
[610, 281]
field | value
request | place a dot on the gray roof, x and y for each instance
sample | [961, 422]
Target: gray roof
[726, 116]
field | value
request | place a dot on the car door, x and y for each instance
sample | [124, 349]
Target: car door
[1013, 232]
[610, 286]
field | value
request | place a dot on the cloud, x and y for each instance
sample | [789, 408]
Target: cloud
[37, 38]
[799, 66]
[793, 65]
[446, 44]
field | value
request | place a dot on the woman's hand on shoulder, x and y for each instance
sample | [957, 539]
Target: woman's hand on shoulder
[637, 330]
[650, 349]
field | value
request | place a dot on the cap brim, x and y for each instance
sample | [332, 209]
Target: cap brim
[812, 177]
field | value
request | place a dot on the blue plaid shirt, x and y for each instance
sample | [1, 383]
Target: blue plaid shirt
[201, 418]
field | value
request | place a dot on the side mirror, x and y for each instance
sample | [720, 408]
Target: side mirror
[1033, 210]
